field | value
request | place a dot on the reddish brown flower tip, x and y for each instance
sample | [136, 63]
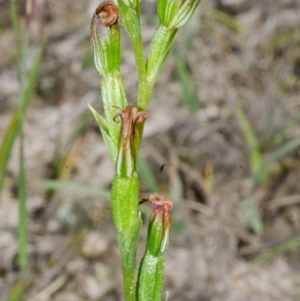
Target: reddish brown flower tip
[127, 156]
[159, 223]
[108, 13]
[158, 202]
[161, 207]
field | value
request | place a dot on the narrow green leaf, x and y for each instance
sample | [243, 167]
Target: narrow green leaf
[22, 226]
[74, 188]
[255, 155]
[227, 20]
[253, 217]
[111, 146]
[266, 166]
[13, 128]
[16, 293]
[186, 83]
[291, 122]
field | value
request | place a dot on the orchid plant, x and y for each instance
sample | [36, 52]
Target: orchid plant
[122, 129]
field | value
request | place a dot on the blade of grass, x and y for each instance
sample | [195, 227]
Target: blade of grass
[74, 188]
[255, 155]
[22, 227]
[147, 175]
[265, 135]
[16, 292]
[292, 121]
[286, 36]
[253, 216]
[185, 81]
[265, 257]
[227, 20]
[13, 128]
[260, 175]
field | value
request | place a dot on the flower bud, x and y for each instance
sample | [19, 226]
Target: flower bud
[127, 156]
[105, 34]
[159, 224]
[174, 13]
[150, 280]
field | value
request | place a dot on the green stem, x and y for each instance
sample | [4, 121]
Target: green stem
[131, 21]
[22, 227]
[125, 193]
[159, 50]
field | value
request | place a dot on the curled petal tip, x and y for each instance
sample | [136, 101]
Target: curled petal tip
[108, 13]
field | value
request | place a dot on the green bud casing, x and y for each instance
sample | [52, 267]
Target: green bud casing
[150, 280]
[105, 34]
[174, 13]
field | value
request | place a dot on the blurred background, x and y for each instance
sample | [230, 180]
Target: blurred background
[221, 141]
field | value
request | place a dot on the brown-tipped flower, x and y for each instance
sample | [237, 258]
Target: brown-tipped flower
[105, 34]
[159, 224]
[126, 160]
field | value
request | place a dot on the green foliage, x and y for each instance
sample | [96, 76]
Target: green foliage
[185, 81]
[250, 137]
[260, 168]
[111, 146]
[227, 20]
[261, 174]
[253, 216]
[290, 123]
[13, 127]
[16, 293]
